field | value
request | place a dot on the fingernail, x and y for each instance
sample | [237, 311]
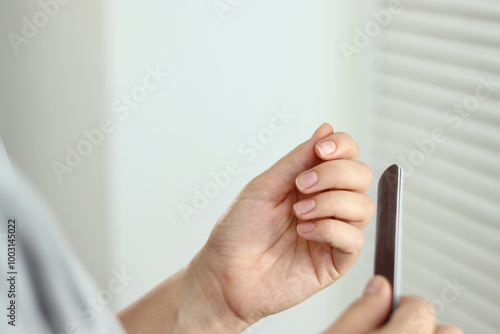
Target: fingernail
[307, 180]
[305, 227]
[327, 147]
[373, 285]
[305, 206]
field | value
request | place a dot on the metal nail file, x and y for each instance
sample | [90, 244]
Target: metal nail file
[388, 235]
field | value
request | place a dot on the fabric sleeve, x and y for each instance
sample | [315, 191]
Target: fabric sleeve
[52, 292]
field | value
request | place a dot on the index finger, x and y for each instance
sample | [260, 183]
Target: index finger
[337, 146]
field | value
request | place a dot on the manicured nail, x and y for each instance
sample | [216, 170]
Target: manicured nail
[305, 227]
[373, 285]
[305, 206]
[307, 180]
[327, 148]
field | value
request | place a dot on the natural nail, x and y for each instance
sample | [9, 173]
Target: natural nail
[327, 147]
[305, 227]
[305, 206]
[307, 180]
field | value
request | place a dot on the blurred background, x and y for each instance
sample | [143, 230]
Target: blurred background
[121, 113]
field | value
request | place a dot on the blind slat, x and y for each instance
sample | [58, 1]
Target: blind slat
[427, 61]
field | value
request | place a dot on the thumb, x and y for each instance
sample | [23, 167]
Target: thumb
[367, 313]
[279, 179]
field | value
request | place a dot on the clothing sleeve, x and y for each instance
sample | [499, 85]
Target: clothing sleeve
[43, 288]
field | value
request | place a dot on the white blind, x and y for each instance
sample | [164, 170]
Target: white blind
[427, 67]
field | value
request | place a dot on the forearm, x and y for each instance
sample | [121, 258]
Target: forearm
[188, 302]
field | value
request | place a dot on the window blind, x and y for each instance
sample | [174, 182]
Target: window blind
[435, 109]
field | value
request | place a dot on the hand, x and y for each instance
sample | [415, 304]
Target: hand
[268, 252]
[367, 314]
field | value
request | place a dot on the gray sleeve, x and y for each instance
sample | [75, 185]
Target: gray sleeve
[51, 291]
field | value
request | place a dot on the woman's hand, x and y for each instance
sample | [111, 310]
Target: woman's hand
[292, 231]
[367, 314]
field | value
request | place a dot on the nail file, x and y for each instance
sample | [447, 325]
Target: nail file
[388, 235]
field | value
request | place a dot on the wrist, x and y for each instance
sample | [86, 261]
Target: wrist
[189, 302]
[202, 307]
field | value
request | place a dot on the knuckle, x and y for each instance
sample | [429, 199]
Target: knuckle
[420, 302]
[332, 200]
[353, 146]
[360, 241]
[331, 228]
[343, 136]
[356, 149]
[423, 307]
[367, 171]
[370, 208]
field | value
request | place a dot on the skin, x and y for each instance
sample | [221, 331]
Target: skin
[264, 264]
[413, 316]
[266, 253]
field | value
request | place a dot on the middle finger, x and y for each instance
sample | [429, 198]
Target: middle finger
[335, 174]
